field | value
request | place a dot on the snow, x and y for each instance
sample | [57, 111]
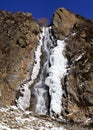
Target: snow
[19, 120]
[79, 57]
[73, 34]
[24, 101]
[4, 126]
[38, 53]
[53, 81]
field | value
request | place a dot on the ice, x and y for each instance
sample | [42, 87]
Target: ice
[56, 71]
[24, 100]
[50, 75]
[40, 90]
[40, 94]
[36, 67]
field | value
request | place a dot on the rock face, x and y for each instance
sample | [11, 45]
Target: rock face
[78, 84]
[63, 20]
[18, 39]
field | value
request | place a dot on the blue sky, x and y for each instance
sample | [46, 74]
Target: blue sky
[45, 8]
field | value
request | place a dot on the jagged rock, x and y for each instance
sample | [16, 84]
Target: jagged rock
[80, 78]
[63, 21]
[18, 39]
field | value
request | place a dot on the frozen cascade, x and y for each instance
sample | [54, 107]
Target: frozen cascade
[50, 78]
[40, 89]
[56, 71]
[48, 70]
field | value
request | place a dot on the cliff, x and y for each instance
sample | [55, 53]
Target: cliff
[19, 36]
[78, 95]
[18, 40]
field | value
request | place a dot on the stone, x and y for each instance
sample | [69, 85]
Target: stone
[63, 21]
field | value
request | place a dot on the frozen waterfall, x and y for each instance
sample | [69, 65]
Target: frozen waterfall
[53, 69]
[41, 91]
[48, 71]
[56, 71]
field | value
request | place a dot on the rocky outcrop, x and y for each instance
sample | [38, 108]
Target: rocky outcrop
[18, 39]
[63, 20]
[78, 84]
[80, 76]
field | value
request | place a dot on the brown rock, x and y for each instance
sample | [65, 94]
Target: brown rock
[63, 21]
[18, 38]
[79, 81]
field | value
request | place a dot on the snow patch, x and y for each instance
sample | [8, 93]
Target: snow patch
[3, 126]
[14, 119]
[79, 57]
[73, 34]
[38, 53]
[24, 100]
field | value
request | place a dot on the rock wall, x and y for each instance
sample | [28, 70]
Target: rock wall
[18, 39]
[78, 84]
